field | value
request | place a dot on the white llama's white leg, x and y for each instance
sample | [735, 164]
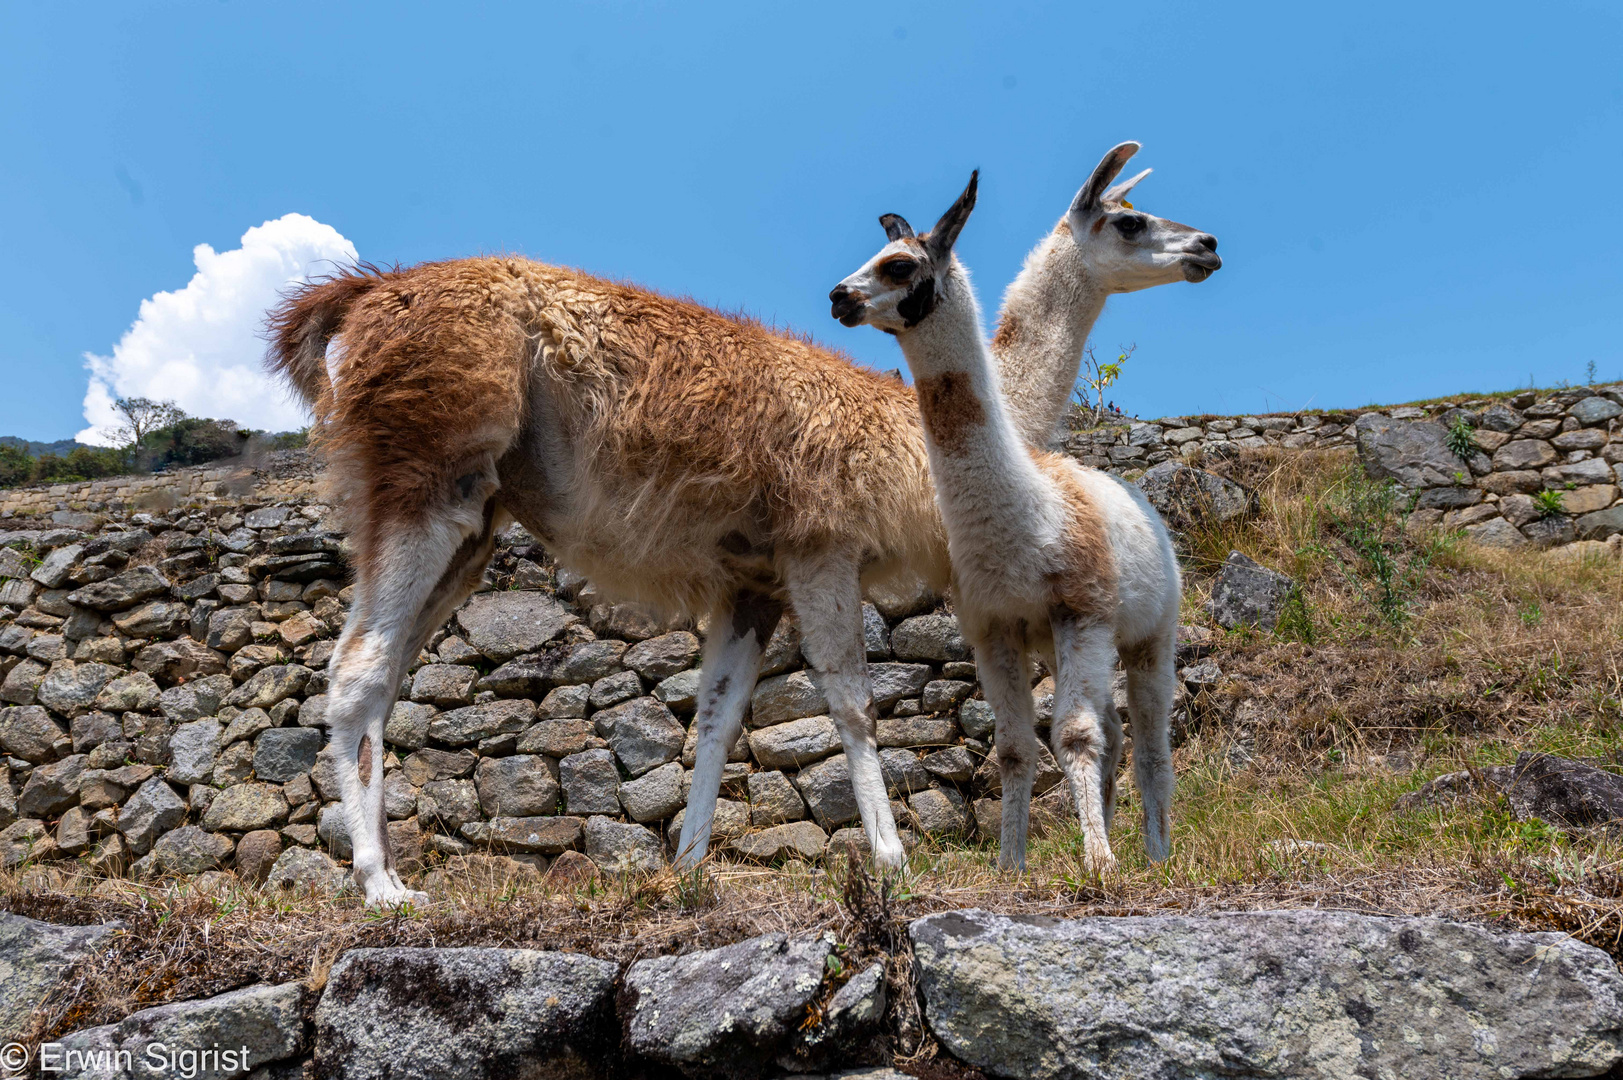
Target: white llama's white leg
[1082, 733]
[1006, 681]
[411, 575]
[827, 599]
[739, 631]
[1151, 684]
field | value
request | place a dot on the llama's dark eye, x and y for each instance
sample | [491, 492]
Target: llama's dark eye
[898, 269]
[1131, 225]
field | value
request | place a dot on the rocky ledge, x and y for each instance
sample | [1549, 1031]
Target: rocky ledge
[1260, 994]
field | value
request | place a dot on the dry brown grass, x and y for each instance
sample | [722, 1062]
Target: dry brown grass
[1286, 779]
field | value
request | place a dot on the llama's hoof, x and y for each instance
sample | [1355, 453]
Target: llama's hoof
[891, 856]
[395, 896]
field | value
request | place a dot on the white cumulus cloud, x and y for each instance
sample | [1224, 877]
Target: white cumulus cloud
[200, 346]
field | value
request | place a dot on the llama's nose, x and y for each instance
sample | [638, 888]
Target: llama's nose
[838, 293]
[1207, 241]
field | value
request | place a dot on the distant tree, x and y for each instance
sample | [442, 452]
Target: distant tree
[191, 440]
[139, 417]
[1096, 379]
[16, 467]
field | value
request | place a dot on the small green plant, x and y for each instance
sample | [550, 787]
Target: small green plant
[1461, 439]
[1589, 373]
[1295, 623]
[1549, 503]
[1096, 379]
[1530, 614]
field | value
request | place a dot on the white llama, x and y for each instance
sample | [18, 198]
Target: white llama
[1046, 555]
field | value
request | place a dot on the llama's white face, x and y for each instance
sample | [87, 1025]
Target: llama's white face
[1126, 249]
[897, 288]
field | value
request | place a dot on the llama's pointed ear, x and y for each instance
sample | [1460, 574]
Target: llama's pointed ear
[896, 227]
[945, 233]
[1092, 193]
[1119, 192]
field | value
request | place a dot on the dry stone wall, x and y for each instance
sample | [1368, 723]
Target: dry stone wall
[163, 669]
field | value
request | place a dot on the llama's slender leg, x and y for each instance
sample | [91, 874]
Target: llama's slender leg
[419, 573]
[1151, 684]
[1000, 661]
[827, 599]
[739, 631]
[1085, 652]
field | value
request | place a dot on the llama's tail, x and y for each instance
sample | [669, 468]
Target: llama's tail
[304, 322]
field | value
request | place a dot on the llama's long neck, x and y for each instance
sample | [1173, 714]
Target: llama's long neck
[993, 498]
[1048, 313]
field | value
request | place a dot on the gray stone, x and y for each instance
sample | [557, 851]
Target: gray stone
[534, 835]
[303, 869]
[21, 686]
[283, 754]
[559, 738]
[727, 1011]
[955, 764]
[236, 764]
[171, 661]
[654, 796]
[25, 841]
[35, 959]
[1580, 439]
[855, 1011]
[229, 629]
[121, 591]
[795, 744]
[460, 727]
[1496, 532]
[1501, 417]
[618, 848]
[135, 692]
[929, 637]
[642, 733]
[445, 685]
[520, 786]
[917, 731]
[1265, 994]
[1600, 524]
[1246, 592]
[450, 803]
[663, 656]
[270, 686]
[977, 719]
[1563, 792]
[826, 787]
[680, 692]
[52, 572]
[408, 724]
[503, 625]
[333, 830]
[264, 1021]
[1595, 410]
[591, 782]
[786, 697]
[421, 767]
[774, 800]
[157, 618]
[194, 750]
[940, 812]
[92, 729]
[399, 795]
[245, 725]
[189, 850]
[1415, 453]
[246, 807]
[1588, 471]
[1552, 531]
[566, 703]
[28, 732]
[613, 689]
[153, 810]
[257, 852]
[1520, 454]
[902, 771]
[51, 788]
[195, 700]
[795, 839]
[1187, 497]
[1448, 498]
[465, 1014]
[70, 688]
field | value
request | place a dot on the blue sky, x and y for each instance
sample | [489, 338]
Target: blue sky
[1410, 199]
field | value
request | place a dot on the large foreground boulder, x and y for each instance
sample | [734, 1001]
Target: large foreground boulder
[449, 1013]
[35, 958]
[1265, 994]
[225, 1036]
[1415, 453]
[723, 1012]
